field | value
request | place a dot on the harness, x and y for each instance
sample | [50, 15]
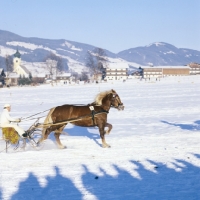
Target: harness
[92, 115]
[93, 112]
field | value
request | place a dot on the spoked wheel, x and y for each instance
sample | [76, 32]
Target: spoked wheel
[35, 139]
[3, 145]
[6, 145]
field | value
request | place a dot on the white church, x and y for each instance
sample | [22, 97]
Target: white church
[18, 68]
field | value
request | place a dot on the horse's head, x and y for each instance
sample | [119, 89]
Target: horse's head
[109, 99]
[116, 101]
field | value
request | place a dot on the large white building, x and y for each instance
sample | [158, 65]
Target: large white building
[194, 68]
[116, 71]
[162, 71]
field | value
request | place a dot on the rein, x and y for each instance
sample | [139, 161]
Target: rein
[34, 115]
[25, 118]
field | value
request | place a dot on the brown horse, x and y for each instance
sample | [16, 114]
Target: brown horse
[94, 114]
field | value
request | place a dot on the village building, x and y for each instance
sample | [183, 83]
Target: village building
[162, 71]
[97, 77]
[64, 78]
[39, 78]
[116, 71]
[194, 68]
[11, 79]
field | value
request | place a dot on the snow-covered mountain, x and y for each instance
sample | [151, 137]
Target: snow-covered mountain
[36, 49]
[160, 53]
[74, 53]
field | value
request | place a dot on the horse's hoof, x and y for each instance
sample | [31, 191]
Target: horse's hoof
[106, 146]
[62, 147]
[107, 132]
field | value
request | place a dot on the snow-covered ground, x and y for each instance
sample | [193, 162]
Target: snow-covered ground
[155, 144]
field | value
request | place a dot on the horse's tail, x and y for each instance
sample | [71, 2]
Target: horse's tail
[48, 120]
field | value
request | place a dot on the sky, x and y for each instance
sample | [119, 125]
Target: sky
[115, 25]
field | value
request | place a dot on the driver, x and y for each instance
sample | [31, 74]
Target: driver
[6, 120]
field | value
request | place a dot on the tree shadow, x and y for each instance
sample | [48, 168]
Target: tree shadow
[156, 182]
[192, 127]
[58, 187]
[163, 184]
[1, 194]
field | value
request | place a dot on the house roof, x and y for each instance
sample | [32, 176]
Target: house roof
[118, 65]
[194, 65]
[41, 75]
[25, 69]
[64, 75]
[166, 67]
[12, 75]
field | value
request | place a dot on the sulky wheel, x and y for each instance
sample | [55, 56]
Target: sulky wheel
[6, 144]
[35, 139]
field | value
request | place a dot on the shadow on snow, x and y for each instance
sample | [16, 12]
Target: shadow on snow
[84, 131]
[192, 127]
[57, 187]
[164, 183]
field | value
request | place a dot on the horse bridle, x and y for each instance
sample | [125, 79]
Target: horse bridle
[119, 104]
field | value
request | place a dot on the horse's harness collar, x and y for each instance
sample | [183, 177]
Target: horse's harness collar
[93, 112]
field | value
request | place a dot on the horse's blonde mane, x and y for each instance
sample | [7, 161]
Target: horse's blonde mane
[101, 95]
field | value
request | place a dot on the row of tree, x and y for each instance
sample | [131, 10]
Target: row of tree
[96, 61]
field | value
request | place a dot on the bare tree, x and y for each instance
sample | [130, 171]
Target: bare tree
[55, 65]
[91, 62]
[84, 76]
[96, 61]
[75, 75]
[100, 56]
[9, 67]
[9, 64]
[51, 67]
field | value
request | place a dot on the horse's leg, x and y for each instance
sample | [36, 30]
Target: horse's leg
[109, 128]
[48, 120]
[57, 137]
[45, 134]
[102, 135]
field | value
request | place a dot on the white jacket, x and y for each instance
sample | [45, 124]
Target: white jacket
[6, 118]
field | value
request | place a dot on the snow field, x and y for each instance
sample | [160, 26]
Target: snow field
[154, 142]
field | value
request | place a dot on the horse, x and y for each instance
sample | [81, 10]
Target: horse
[94, 114]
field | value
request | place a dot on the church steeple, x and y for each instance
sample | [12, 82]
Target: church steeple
[17, 54]
[16, 61]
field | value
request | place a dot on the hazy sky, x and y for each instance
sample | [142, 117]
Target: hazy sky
[114, 25]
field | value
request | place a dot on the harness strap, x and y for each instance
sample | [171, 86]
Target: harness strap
[93, 113]
[72, 119]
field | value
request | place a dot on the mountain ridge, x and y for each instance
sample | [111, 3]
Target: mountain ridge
[34, 49]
